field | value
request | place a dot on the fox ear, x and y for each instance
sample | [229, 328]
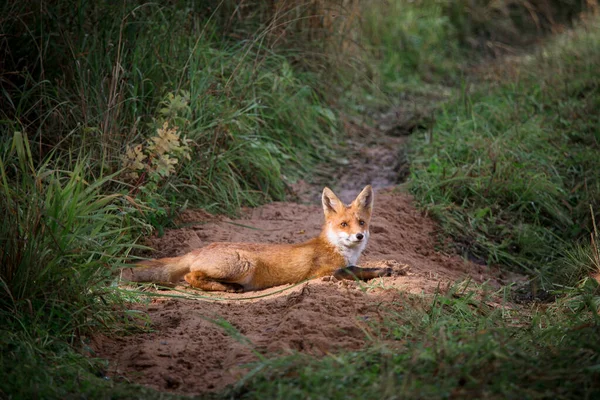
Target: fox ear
[365, 198]
[331, 203]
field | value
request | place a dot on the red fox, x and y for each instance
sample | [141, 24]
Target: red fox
[252, 266]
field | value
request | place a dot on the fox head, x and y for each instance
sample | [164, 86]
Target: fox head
[347, 226]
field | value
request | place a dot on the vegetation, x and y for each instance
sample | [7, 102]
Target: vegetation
[510, 169]
[114, 116]
[112, 75]
[453, 345]
[60, 237]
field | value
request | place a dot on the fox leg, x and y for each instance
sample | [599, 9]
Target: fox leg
[363, 274]
[220, 270]
[200, 280]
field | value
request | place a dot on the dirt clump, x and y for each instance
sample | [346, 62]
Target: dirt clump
[204, 343]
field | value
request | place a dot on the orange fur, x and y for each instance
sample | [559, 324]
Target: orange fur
[252, 266]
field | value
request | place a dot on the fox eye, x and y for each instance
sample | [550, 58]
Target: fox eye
[344, 224]
[361, 222]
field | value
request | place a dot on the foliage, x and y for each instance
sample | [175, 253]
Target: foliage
[116, 73]
[60, 239]
[577, 264]
[100, 91]
[50, 369]
[511, 171]
[423, 46]
[59, 233]
[413, 44]
[156, 158]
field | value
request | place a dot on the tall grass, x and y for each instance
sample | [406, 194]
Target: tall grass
[94, 79]
[60, 234]
[418, 46]
[413, 44]
[60, 239]
[512, 172]
[253, 120]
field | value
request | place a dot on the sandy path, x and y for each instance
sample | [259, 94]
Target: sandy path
[189, 352]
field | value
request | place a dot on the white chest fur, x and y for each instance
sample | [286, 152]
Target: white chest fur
[347, 244]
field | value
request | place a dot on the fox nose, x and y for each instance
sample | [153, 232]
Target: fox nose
[359, 236]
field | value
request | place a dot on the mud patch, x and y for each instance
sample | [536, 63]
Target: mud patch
[203, 345]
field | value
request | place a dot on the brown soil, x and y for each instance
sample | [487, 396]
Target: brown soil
[190, 351]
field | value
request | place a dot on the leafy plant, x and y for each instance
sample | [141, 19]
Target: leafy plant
[156, 159]
[60, 239]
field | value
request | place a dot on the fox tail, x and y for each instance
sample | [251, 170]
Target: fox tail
[163, 270]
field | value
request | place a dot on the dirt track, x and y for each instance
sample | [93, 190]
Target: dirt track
[188, 352]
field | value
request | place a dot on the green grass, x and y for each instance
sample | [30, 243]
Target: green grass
[414, 44]
[37, 360]
[422, 46]
[61, 238]
[94, 79]
[452, 345]
[60, 235]
[511, 169]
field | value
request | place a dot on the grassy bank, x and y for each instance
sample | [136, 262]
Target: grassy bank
[61, 238]
[113, 117]
[511, 167]
[102, 79]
